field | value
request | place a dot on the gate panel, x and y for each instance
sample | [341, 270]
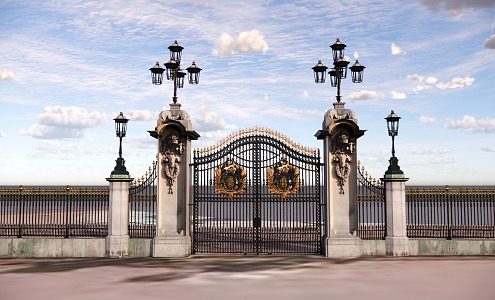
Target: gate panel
[256, 192]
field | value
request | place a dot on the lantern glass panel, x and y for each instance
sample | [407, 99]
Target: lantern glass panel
[180, 78]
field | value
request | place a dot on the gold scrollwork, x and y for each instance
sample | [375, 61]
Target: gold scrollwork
[230, 179]
[283, 179]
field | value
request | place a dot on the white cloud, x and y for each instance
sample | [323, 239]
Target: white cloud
[470, 124]
[420, 88]
[7, 75]
[398, 95]
[396, 50]
[427, 120]
[224, 45]
[488, 149]
[455, 83]
[251, 41]
[430, 151]
[57, 122]
[2, 134]
[363, 95]
[71, 116]
[208, 120]
[431, 80]
[416, 77]
[52, 132]
[142, 115]
[490, 42]
[305, 94]
[247, 41]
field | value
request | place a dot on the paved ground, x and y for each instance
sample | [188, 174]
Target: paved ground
[246, 277]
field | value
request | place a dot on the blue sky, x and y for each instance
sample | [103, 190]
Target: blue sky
[67, 68]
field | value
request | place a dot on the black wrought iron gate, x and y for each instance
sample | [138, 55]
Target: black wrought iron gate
[256, 192]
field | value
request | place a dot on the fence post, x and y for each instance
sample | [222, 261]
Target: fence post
[396, 241]
[117, 241]
[21, 211]
[449, 212]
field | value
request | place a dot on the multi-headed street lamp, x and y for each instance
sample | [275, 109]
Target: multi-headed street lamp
[120, 131]
[393, 131]
[339, 70]
[173, 70]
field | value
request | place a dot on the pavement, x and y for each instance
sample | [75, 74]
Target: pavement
[249, 277]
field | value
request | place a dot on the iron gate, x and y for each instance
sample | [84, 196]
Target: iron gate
[142, 204]
[256, 192]
[372, 219]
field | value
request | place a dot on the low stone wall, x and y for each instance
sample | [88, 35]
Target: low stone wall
[72, 247]
[95, 247]
[427, 247]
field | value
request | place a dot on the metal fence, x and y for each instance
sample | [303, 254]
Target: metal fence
[142, 205]
[54, 212]
[451, 213]
[371, 206]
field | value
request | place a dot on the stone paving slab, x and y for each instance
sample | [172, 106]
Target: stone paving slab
[249, 277]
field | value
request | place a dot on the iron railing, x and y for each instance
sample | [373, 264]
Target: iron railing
[371, 207]
[54, 212]
[142, 205]
[451, 213]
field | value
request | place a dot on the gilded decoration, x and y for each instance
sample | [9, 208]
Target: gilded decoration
[342, 149]
[230, 179]
[172, 150]
[283, 179]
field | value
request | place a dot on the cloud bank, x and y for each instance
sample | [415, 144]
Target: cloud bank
[58, 122]
[457, 6]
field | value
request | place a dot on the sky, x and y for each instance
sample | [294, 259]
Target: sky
[67, 68]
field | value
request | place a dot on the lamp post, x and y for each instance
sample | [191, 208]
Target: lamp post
[120, 131]
[393, 131]
[173, 70]
[339, 70]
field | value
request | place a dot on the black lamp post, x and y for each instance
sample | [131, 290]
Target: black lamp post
[393, 131]
[120, 131]
[339, 70]
[173, 70]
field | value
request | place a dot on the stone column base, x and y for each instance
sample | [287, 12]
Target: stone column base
[397, 246]
[171, 246]
[343, 247]
[117, 245]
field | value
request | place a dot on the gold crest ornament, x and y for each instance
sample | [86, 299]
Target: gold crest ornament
[230, 179]
[283, 179]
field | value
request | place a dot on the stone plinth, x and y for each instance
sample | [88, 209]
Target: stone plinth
[344, 246]
[171, 246]
[396, 242]
[117, 241]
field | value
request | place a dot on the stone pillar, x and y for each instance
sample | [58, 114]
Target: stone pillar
[339, 134]
[117, 241]
[396, 241]
[174, 133]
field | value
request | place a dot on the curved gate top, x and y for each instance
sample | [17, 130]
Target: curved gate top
[256, 192]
